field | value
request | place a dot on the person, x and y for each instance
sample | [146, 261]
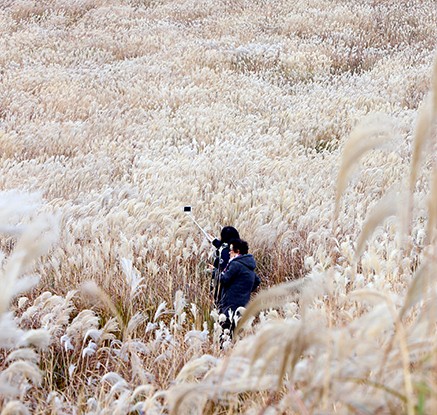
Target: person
[238, 281]
[222, 256]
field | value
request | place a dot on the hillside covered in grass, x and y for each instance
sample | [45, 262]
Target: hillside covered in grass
[307, 125]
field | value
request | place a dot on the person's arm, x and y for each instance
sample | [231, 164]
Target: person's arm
[217, 243]
[256, 283]
[227, 276]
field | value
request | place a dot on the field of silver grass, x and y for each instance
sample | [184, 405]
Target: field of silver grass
[310, 126]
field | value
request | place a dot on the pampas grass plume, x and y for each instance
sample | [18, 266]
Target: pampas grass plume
[385, 207]
[23, 369]
[195, 368]
[93, 293]
[371, 133]
[418, 288]
[23, 354]
[270, 298]
[15, 408]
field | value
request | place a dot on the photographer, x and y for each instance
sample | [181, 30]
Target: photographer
[222, 256]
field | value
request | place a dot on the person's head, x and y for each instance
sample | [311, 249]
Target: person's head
[228, 233]
[238, 247]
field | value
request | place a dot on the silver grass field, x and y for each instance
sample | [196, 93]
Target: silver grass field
[310, 126]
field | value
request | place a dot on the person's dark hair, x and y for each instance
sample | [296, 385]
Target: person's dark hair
[228, 233]
[240, 246]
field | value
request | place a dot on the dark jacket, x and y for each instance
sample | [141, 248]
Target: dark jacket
[237, 282]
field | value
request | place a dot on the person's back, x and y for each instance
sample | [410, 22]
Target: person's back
[238, 282]
[239, 278]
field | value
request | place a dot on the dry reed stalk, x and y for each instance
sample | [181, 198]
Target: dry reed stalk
[432, 201]
[421, 134]
[432, 208]
[416, 293]
[400, 335]
[434, 86]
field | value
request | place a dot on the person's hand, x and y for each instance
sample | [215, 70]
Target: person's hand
[211, 267]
